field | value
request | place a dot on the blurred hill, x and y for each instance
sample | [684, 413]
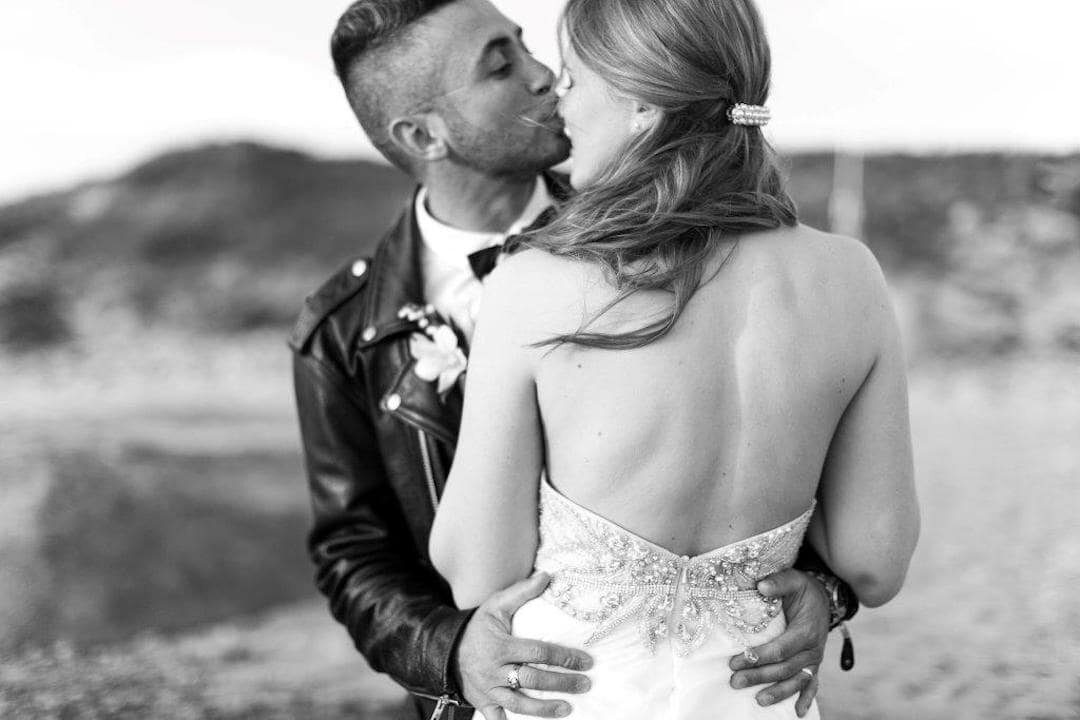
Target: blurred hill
[219, 238]
[227, 238]
[254, 203]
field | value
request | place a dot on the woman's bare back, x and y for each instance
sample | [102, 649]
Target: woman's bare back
[783, 380]
[720, 430]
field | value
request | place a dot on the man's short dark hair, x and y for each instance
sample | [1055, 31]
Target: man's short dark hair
[376, 82]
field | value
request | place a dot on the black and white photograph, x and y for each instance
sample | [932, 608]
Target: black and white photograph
[506, 359]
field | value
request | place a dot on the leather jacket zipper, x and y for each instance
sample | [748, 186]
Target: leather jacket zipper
[442, 704]
[440, 707]
[429, 473]
[445, 702]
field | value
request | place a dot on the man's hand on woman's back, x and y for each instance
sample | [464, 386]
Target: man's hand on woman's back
[802, 645]
[488, 652]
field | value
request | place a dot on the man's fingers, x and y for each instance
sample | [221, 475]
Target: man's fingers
[535, 652]
[512, 598]
[785, 582]
[493, 712]
[516, 702]
[776, 672]
[533, 678]
[785, 689]
[789, 644]
[807, 694]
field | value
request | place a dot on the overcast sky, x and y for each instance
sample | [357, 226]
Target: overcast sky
[88, 88]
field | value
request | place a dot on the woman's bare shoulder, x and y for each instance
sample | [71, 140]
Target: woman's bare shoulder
[841, 253]
[536, 289]
[847, 279]
[533, 264]
[843, 267]
[538, 279]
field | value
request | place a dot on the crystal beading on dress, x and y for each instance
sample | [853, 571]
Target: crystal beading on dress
[604, 575]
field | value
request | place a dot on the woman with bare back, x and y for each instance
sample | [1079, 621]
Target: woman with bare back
[675, 382]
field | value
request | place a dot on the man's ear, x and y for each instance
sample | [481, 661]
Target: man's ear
[420, 137]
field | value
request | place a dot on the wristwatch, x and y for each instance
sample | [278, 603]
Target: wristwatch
[843, 604]
[842, 601]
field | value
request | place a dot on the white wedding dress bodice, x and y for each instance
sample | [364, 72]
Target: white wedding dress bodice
[661, 627]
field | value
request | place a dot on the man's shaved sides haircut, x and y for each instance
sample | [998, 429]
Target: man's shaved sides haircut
[368, 47]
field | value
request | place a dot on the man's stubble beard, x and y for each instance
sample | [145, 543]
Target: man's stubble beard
[505, 155]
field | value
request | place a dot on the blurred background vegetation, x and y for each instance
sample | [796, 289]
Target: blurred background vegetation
[227, 239]
[152, 500]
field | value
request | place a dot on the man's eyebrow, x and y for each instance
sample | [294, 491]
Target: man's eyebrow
[500, 42]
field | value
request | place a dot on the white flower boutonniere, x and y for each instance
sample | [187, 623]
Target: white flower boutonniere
[435, 348]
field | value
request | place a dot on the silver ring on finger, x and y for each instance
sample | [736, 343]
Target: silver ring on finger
[808, 671]
[513, 681]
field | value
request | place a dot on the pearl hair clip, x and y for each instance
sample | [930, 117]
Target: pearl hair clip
[751, 115]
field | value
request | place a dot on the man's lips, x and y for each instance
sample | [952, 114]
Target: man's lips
[556, 123]
[552, 120]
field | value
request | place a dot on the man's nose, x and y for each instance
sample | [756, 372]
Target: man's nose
[541, 78]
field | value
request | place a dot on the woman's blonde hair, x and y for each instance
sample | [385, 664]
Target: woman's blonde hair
[691, 184]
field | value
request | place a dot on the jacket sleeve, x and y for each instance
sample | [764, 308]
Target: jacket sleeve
[396, 609]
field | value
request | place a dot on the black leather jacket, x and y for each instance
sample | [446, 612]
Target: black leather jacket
[378, 445]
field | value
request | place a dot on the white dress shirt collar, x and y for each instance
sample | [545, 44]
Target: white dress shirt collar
[454, 246]
[449, 282]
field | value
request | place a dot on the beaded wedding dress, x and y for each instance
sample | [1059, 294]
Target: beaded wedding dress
[661, 627]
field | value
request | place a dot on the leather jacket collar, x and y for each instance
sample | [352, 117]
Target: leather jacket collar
[396, 279]
[396, 282]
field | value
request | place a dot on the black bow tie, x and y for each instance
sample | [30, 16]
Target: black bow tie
[483, 261]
